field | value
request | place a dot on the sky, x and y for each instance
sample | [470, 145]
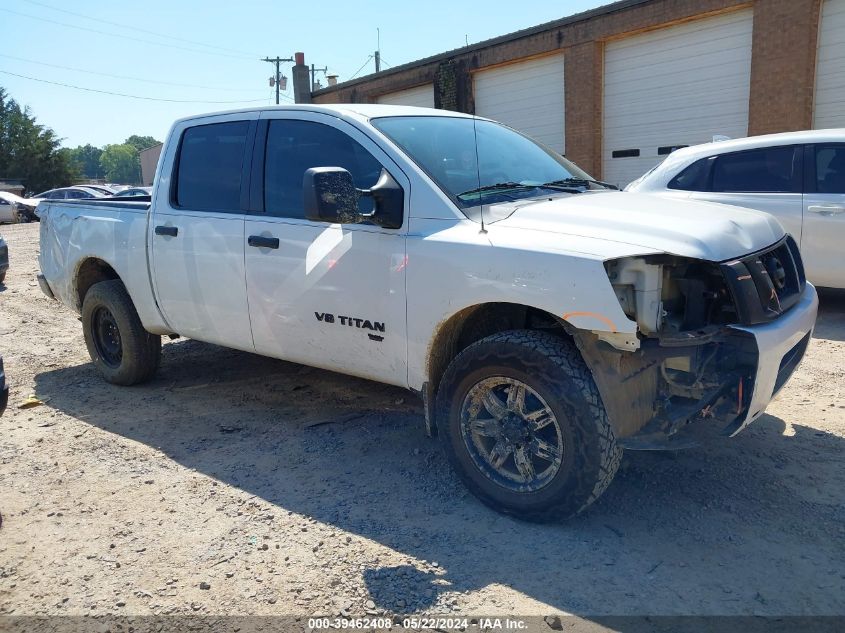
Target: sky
[208, 52]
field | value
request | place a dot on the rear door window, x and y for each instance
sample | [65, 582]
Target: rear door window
[830, 168]
[210, 165]
[763, 170]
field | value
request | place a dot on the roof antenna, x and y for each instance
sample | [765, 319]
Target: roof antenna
[478, 171]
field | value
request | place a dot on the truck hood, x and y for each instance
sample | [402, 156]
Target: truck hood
[700, 230]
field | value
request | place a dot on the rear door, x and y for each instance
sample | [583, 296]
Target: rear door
[766, 179]
[327, 295]
[823, 241]
[197, 232]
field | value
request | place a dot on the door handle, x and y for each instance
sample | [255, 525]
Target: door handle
[826, 209]
[263, 242]
[172, 231]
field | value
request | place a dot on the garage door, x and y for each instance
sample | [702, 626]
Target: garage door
[422, 96]
[674, 87]
[527, 96]
[830, 67]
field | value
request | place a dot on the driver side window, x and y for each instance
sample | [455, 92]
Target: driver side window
[295, 146]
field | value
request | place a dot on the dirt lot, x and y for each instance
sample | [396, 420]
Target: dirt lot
[236, 484]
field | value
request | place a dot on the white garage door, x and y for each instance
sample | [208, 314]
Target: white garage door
[830, 67]
[527, 96]
[673, 87]
[421, 96]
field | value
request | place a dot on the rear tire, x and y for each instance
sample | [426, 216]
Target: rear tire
[521, 421]
[122, 350]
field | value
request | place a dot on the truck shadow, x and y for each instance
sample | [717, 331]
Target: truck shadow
[708, 530]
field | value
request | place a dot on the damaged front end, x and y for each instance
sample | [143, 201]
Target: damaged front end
[699, 355]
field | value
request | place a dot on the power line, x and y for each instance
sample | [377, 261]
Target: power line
[121, 94]
[122, 37]
[361, 68]
[134, 28]
[149, 81]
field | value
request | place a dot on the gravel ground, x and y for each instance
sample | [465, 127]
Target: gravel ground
[235, 484]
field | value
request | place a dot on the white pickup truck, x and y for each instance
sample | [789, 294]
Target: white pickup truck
[546, 320]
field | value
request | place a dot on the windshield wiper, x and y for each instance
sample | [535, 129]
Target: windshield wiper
[578, 182]
[569, 185]
[499, 186]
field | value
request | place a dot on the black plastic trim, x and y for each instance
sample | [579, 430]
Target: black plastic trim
[756, 296]
[256, 183]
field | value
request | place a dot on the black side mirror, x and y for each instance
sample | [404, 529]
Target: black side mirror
[389, 201]
[330, 196]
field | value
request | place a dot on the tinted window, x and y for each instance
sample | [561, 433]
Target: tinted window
[296, 146]
[765, 170]
[210, 163]
[830, 168]
[75, 194]
[694, 177]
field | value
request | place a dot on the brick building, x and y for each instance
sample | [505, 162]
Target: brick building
[619, 87]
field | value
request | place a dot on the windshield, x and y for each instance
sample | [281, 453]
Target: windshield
[505, 165]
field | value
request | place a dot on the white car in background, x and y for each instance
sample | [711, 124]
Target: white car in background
[13, 208]
[799, 177]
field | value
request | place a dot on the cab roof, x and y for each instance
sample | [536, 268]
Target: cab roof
[360, 111]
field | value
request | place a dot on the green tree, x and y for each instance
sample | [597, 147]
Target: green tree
[31, 151]
[86, 158]
[141, 142]
[121, 164]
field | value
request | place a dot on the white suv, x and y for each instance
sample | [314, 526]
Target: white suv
[799, 177]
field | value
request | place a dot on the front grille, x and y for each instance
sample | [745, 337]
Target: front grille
[766, 284]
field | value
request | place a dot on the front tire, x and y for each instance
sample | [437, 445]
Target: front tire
[522, 422]
[122, 350]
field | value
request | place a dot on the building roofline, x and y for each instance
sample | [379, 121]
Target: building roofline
[500, 39]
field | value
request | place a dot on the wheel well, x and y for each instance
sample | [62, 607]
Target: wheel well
[473, 324]
[90, 272]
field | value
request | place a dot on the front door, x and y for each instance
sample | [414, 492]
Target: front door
[327, 295]
[823, 241]
[197, 234]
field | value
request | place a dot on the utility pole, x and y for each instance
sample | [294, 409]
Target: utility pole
[314, 72]
[378, 49]
[277, 79]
